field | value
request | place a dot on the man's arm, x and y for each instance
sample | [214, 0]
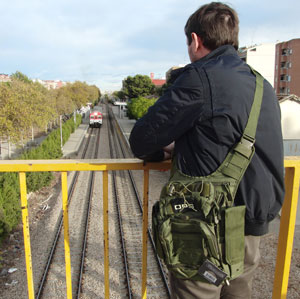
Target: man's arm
[170, 117]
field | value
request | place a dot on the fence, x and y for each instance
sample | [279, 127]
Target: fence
[287, 223]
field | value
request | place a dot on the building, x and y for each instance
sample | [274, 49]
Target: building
[261, 58]
[51, 84]
[290, 111]
[5, 78]
[287, 68]
[157, 82]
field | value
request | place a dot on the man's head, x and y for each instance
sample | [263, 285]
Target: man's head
[213, 25]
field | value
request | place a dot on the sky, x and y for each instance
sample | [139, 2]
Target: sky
[102, 42]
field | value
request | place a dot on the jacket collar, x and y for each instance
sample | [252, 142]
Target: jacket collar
[223, 50]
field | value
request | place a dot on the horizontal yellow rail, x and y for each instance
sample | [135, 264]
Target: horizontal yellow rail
[287, 223]
[79, 165]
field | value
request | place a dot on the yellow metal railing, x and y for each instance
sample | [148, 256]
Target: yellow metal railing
[287, 223]
[287, 227]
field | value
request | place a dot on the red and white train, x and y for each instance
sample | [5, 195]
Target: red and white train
[95, 119]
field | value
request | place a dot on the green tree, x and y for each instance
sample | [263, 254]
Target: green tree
[17, 110]
[63, 100]
[9, 112]
[138, 86]
[94, 94]
[138, 107]
[20, 77]
[25, 104]
[79, 93]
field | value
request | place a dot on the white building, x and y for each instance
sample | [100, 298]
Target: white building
[261, 58]
[51, 84]
[290, 111]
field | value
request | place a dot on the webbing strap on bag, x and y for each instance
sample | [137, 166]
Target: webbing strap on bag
[197, 231]
[236, 165]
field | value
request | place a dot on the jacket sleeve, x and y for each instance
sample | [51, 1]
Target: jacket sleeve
[172, 115]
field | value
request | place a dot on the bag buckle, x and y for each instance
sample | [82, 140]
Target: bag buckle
[247, 141]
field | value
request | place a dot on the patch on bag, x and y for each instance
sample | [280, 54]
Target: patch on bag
[212, 273]
[181, 204]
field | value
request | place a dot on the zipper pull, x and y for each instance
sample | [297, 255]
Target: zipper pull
[216, 219]
[171, 190]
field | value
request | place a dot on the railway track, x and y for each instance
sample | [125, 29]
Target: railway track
[129, 209]
[49, 284]
[86, 243]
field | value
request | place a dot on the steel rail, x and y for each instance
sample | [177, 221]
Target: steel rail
[165, 280]
[118, 209]
[60, 224]
[90, 195]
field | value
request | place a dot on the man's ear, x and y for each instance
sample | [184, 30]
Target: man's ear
[198, 48]
[197, 42]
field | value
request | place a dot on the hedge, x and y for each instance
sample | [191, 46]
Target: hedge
[138, 107]
[10, 210]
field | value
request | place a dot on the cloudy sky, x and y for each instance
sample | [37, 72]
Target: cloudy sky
[102, 42]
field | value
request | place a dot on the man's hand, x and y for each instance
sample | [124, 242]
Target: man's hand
[167, 156]
[168, 150]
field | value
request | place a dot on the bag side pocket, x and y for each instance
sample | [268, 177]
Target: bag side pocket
[235, 239]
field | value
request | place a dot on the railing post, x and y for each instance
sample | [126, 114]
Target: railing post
[26, 234]
[286, 233]
[105, 233]
[64, 186]
[145, 229]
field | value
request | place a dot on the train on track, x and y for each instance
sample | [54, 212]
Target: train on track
[95, 118]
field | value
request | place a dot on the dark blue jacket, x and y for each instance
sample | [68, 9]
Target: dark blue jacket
[205, 112]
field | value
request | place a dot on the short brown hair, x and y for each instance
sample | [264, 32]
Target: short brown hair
[216, 24]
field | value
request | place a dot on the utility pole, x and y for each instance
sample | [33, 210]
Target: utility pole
[61, 138]
[9, 147]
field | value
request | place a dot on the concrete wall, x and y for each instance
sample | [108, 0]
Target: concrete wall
[290, 113]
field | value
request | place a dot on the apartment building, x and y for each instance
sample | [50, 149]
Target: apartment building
[5, 78]
[287, 68]
[51, 84]
[261, 58]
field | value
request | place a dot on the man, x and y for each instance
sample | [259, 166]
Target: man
[205, 113]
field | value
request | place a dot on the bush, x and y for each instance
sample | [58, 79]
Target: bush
[10, 211]
[138, 107]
